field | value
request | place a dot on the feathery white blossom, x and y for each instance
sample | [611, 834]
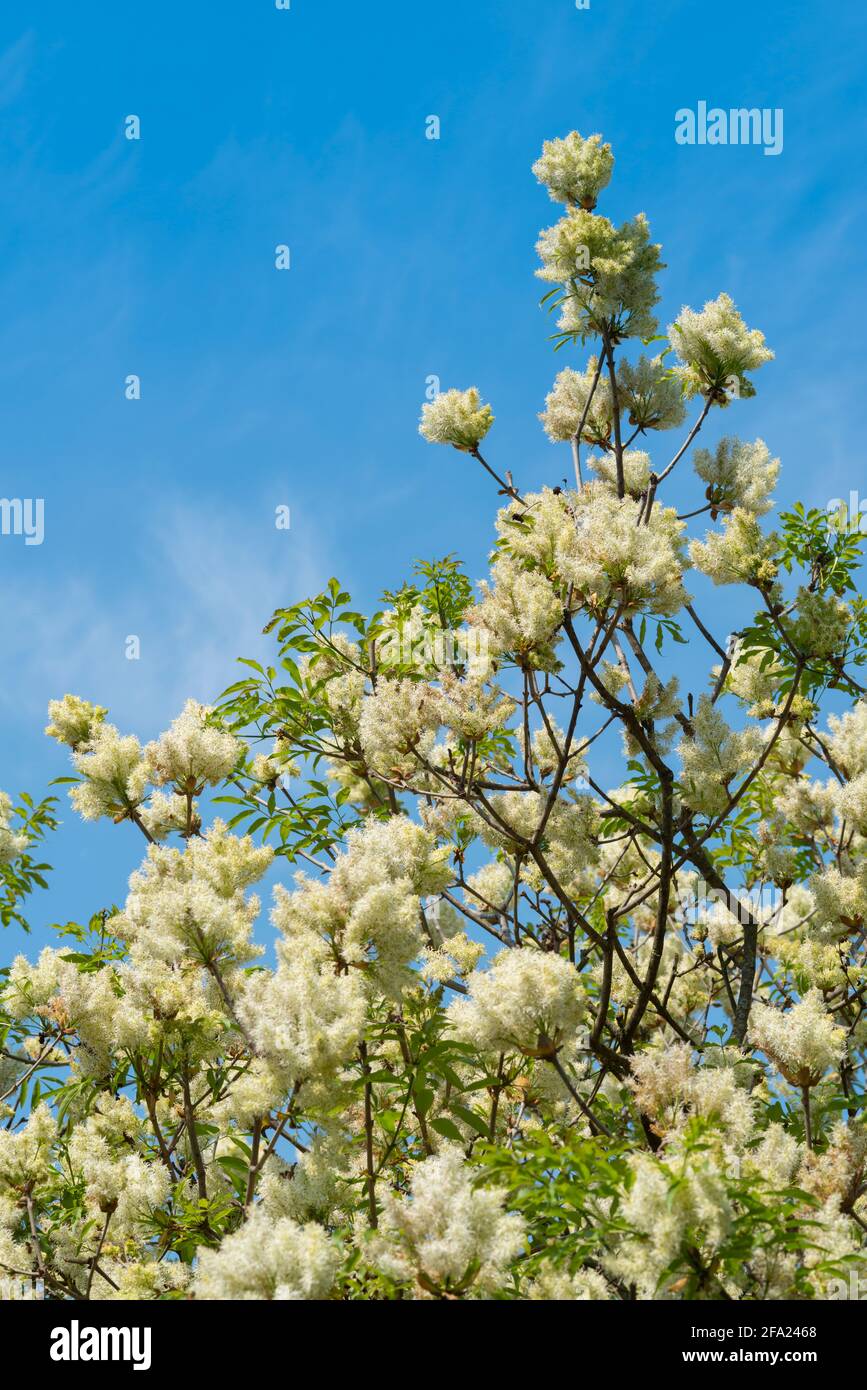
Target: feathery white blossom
[738, 475]
[191, 754]
[739, 554]
[114, 775]
[636, 471]
[848, 739]
[280, 1260]
[717, 350]
[521, 612]
[11, 845]
[368, 912]
[575, 169]
[398, 725]
[193, 900]
[609, 559]
[609, 274]
[651, 394]
[73, 720]
[449, 1234]
[574, 397]
[527, 1001]
[457, 418]
[802, 1041]
[713, 758]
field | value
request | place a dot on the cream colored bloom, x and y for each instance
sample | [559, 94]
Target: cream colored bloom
[609, 274]
[802, 1041]
[114, 775]
[636, 471]
[447, 1233]
[575, 169]
[26, 1155]
[610, 560]
[280, 1261]
[713, 758]
[574, 398]
[739, 554]
[192, 754]
[398, 726]
[11, 845]
[521, 612]
[651, 394]
[738, 475]
[527, 1001]
[74, 721]
[557, 1285]
[717, 350]
[457, 418]
[848, 739]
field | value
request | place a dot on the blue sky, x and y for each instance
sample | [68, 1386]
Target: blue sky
[410, 257]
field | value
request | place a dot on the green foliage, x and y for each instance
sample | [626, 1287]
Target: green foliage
[25, 872]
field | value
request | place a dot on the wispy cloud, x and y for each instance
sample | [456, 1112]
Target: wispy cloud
[197, 597]
[15, 64]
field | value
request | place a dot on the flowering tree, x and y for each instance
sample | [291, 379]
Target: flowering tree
[527, 1035]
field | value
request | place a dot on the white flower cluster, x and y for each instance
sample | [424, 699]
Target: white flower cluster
[306, 1019]
[648, 391]
[575, 169]
[802, 1041]
[74, 721]
[555, 1285]
[713, 758]
[841, 899]
[192, 901]
[274, 1260]
[651, 394]
[665, 1203]
[11, 845]
[448, 1234]
[165, 812]
[57, 992]
[115, 771]
[738, 475]
[820, 625]
[457, 956]
[192, 754]
[717, 351]
[609, 274]
[527, 1001]
[520, 612]
[114, 774]
[26, 1154]
[848, 739]
[398, 726]
[490, 887]
[116, 1181]
[670, 1088]
[850, 802]
[636, 471]
[588, 548]
[612, 560]
[739, 554]
[368, 912]
[457, 418]
[335, 676]
[574, 398]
